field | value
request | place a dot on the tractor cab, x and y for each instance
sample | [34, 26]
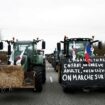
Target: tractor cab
[79, 46]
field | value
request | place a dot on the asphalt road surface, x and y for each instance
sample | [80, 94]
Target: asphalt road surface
[52, 94]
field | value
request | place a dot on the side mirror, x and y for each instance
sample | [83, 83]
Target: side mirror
[58, 46]
[100, 45]
[43, 44]
[1, 45]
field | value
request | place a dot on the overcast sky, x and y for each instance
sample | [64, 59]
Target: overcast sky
[52, 19]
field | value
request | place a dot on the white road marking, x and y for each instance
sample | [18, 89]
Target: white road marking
[51, 79]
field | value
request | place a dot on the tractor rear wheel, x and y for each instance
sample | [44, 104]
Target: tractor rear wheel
[59, 75]
[41, 69]
[57, 67]
[44, 75]
[38, 81]
[69, 90]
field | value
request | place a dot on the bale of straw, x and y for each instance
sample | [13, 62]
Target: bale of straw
[3, 57]
[11, 76]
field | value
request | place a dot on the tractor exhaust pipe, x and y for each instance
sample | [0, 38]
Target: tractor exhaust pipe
[9, 52]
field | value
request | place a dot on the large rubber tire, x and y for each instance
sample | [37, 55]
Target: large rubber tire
[44, 74]
[57, 67]
[65, 89]
[38, 81]
[59, 75]
[69, 90]
[43, 71]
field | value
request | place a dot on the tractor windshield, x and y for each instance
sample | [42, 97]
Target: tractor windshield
[79, 45]
[23, 47]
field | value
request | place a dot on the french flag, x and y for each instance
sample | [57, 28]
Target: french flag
[88, 53]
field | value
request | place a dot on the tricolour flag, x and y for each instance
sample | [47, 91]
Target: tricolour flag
[88, 53]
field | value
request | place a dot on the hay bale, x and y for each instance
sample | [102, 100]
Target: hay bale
[11, 76]
[3, 57]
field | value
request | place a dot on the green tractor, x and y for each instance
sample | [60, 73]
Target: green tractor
[25, 56]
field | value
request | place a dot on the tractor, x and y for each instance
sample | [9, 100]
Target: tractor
[79, 66]
[56, 58]
[25, 62]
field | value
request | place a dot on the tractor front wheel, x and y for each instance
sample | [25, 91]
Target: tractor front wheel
[59, 75]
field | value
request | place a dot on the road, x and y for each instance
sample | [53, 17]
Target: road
[52, 94]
